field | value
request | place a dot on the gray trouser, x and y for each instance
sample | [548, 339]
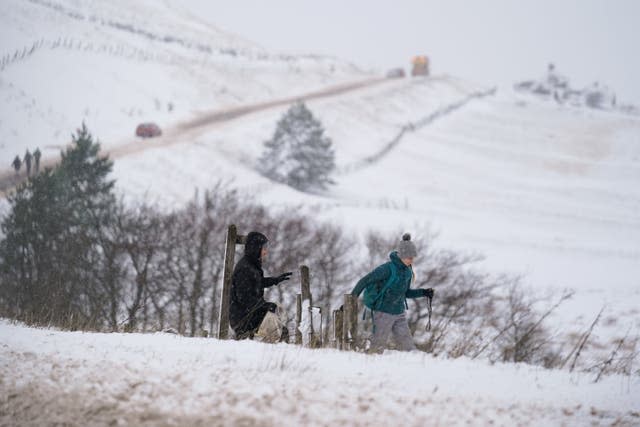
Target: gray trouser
[385, 324]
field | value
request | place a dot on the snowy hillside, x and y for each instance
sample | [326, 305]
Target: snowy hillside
[545, 190]
[116, 64]
[163, 380]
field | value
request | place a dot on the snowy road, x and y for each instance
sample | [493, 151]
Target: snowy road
[49, 377]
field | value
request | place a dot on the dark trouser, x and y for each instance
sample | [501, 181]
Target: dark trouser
[251, 322]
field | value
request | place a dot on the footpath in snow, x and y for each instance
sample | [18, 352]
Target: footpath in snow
[49, 377]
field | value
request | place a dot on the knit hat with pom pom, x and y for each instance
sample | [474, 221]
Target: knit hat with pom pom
[406, 248]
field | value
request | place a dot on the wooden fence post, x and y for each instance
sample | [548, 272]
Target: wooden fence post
[229, 254]
[298, 335]
[305, 286]
[350, 322]
[305, 290]
[337, 328]
[319, 334]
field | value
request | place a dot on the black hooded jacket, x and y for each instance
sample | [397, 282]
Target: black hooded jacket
[248, 282]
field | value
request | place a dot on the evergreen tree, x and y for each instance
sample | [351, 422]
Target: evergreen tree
[299, 154]
[51, 238]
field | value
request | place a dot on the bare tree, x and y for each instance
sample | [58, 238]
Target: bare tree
[526, 339]
[332, 268]
[109, 268]
[142, 227]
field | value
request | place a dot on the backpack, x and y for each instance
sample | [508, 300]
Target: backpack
[373, 295]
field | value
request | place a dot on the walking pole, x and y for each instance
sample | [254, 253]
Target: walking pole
[429, 308]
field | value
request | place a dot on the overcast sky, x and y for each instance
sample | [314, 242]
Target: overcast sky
[490, 41]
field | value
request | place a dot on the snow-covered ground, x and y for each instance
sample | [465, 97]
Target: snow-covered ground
[544, 190]
[49, 377]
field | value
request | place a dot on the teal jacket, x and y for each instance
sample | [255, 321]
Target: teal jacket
[393, 301]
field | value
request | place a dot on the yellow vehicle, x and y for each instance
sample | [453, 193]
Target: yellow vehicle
[420, 65]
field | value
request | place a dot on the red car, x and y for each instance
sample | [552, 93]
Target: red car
[148, 130]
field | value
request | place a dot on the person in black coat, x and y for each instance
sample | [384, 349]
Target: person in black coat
[27, 162]
[248, 306]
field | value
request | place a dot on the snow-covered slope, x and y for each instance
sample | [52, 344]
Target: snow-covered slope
[50, 377]
[545, 190]
[118, 63]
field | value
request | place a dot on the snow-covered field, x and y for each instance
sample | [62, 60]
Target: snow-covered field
[547, 191]
[71, 378]
[116, 64]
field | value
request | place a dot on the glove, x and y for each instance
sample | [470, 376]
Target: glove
[283, 277]
[428, 292]
[271, 306]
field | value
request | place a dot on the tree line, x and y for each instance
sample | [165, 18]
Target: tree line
[73, 255]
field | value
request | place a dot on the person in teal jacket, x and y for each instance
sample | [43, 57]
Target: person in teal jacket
[386, 289]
